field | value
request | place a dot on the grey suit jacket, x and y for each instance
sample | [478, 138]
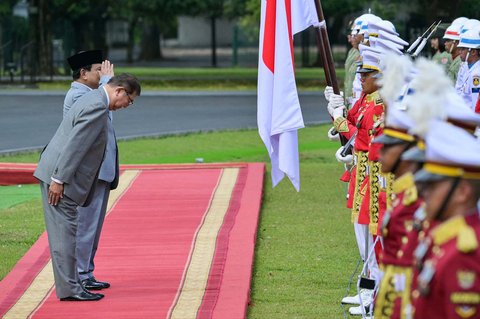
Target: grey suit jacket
[76, 151]
[109, 170]
[77, 90]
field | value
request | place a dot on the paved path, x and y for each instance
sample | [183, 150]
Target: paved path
[28, 119]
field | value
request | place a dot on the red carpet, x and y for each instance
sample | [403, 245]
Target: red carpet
[178, 243]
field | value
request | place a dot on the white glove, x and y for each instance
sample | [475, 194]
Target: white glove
[336, 101]
[328, 92]
[338, 112]
[348, 159]
[333, 137]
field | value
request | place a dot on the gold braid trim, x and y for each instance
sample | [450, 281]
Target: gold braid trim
[362, 162]
[374, 193]
[387, 294]
[406, 294]
[390, 179]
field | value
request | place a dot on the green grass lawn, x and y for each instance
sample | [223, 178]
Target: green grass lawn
[305, 248]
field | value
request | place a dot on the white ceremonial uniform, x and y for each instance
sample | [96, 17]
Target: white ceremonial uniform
[468, 83]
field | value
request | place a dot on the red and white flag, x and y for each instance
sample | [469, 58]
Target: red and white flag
[278, 109]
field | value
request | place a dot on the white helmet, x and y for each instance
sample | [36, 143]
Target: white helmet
[470, 39]
[453, 32]
[357, 22]
[364, 19]
[469, 25]
[460, 21]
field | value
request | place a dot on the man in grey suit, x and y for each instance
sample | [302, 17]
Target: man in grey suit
[68, 170]
[90, 71]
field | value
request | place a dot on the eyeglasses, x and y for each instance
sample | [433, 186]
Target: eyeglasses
[130, 101]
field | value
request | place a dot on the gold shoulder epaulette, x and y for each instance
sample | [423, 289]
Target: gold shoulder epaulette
[410, 196]
[375, 97]
[406, 184]
[448, 230]
[403, 182]
[456, 227]
[467, 240]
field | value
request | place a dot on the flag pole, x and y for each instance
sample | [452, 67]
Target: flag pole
[326, 55]
[325, 50]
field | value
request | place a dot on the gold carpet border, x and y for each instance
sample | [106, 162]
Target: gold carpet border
[195, 280]
[42, 285]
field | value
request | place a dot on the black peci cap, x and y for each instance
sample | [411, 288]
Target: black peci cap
[85, 58]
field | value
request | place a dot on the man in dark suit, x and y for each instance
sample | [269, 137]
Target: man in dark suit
[68, 170]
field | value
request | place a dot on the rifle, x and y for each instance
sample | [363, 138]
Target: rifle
[424, 41]
[326, 56]
[415, 44]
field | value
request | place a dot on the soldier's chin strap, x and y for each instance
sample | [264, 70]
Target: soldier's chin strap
[399, 158]
[454, 186]
[468, 55]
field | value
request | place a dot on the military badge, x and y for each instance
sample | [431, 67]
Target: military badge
[466, 279]
[465, 311]
[476, 80]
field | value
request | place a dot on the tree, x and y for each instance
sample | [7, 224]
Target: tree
[9, 27]
[157, 17]
[214, 10]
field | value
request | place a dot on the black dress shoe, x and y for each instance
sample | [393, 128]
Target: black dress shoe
[93, 284]
[83, 296]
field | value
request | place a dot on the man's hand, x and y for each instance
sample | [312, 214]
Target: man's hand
[107, 68]
[348, 159]
[55, 193]
[336, 102]
[334, 137]
[328, 92]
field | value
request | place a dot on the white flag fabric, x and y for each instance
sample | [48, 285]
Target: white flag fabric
[278, 109]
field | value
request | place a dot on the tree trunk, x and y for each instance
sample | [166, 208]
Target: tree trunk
[213, 40]
[132, 24]
[41, 49]
[99, 38]
[150, 45]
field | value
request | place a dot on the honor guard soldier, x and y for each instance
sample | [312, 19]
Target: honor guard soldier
[452, 37]
[357, 124]
[448, 281]
[351, 65]
[395, 285]
[468, 82]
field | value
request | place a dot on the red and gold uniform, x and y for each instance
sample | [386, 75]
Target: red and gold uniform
[380, 184]
[360, 121]
[395, 287]
[448, 286]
